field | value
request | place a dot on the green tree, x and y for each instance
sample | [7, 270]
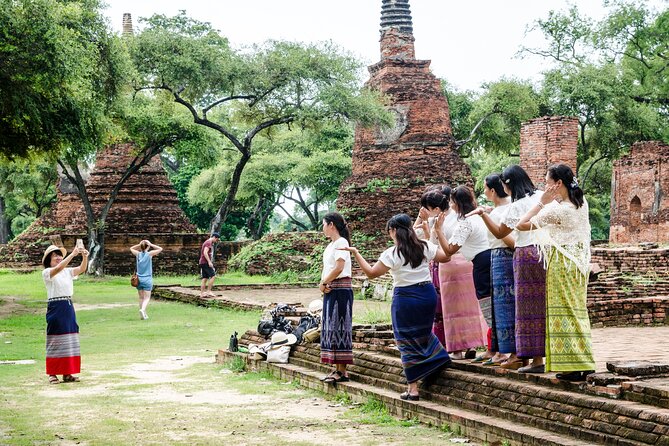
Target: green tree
[59, 70]
[241, 94]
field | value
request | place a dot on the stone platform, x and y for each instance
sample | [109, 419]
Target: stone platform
[493, 405]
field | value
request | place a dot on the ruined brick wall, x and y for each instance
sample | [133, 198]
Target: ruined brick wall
[640, 195]
[545, 141]
[392, 166]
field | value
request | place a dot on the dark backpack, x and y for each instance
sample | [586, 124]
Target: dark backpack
[306, 322]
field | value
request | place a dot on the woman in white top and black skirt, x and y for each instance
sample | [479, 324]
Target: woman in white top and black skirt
[470, 238]
[336, 333]
[414, 301]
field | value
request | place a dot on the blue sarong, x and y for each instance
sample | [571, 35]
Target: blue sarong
[503, 301]
[412, 313]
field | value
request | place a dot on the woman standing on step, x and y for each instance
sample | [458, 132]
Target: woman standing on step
[414, 300]
[529, 275]
[564, 237]
[63, 356]
[433, 201]
[144, 252]
[501, 268]
[470, 239]
[336, 332]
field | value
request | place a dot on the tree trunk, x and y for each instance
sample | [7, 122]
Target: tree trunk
[224, 210]
[4, 224]
[96, 250]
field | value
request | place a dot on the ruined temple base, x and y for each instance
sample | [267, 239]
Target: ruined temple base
[494, 405]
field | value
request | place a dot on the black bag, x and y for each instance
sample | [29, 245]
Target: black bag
[234, 343]
[306, 323]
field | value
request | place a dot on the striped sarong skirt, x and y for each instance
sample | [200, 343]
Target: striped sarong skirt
[63, 356]
[503, 301]
[530, 286]
[412, 312]
[336, 332]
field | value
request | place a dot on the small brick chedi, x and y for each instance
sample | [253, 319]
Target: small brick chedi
[392, 166]
[640, 195]
[146, 207]
[546, 141]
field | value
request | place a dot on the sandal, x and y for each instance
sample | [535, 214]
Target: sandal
[70, 379]
[53, 379]
[407, 396]
[329, 376]
[337, 377]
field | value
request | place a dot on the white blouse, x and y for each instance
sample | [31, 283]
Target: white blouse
[332, 254]
[405, 275]
[516, 211]
[60, 285]
[471, 234]
[497, 215]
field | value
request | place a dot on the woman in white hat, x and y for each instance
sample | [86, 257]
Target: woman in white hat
[336, 332]
[62, 332]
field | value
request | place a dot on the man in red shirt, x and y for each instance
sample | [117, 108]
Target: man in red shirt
[207, 271]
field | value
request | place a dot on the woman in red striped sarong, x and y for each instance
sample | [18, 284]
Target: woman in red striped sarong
[62, 332]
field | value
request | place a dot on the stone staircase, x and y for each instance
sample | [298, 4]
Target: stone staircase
[490, 404]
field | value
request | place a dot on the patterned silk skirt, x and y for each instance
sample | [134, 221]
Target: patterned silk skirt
[63, 356]
[530, 286]
[438, 326]
[336, 332]
[464, 326]
[412, 314]
[568, 335]
[503, 301]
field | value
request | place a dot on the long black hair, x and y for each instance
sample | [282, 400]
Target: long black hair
[339, 223]
[564, 173]
[494, 182]
[465, 199]
[436, 197]
[409, 246]
[518, 181]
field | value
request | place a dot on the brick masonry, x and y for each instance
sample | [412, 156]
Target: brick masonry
[545, 141]
[640, 195]
[146, 207]
[392, 166]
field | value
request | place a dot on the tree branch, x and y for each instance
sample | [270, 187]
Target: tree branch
[221, 101]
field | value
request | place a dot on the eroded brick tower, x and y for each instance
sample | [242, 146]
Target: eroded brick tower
[392, 166]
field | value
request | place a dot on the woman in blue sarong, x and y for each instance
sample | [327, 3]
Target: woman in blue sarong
[414, 300]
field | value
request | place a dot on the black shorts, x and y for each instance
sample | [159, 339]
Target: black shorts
[207, 272]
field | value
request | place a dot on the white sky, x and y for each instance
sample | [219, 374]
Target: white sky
[469, 42]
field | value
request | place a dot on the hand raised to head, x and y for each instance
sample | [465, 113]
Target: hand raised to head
[423, 214]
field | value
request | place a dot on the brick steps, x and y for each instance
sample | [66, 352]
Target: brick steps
[589, 418]
[475, 425]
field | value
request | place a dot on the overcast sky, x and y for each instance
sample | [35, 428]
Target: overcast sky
[469, 42]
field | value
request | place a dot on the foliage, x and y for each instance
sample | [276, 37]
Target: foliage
[60, 69]
[483, 163]
[242, 94]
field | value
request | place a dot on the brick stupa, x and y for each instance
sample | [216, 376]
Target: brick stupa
[392, 166]
[145, 207]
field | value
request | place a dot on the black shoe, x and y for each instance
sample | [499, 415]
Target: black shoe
[407, 396]
[574, 376]
[470, 354]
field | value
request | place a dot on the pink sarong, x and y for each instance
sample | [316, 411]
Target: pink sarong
[464, 325]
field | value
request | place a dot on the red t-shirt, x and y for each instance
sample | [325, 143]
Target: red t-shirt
[206, 245]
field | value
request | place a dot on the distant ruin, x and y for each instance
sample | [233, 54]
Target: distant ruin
[640, 195]
[392, 166]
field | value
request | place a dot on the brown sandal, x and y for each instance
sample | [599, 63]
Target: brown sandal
[53, 379]
[70, 379]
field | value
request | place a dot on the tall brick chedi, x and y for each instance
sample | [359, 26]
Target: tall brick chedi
[640, 195]
[392, 166]
[545, 141]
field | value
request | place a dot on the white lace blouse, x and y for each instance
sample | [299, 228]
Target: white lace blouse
[471, 234]
[564, 227]
[497, 215]
[516, 210]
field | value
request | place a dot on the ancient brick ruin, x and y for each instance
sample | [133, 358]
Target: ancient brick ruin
[146, 207]
[545, 141]
[640, 195]
[392, 166]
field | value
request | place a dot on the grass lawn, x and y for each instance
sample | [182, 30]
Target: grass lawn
[155, 382]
